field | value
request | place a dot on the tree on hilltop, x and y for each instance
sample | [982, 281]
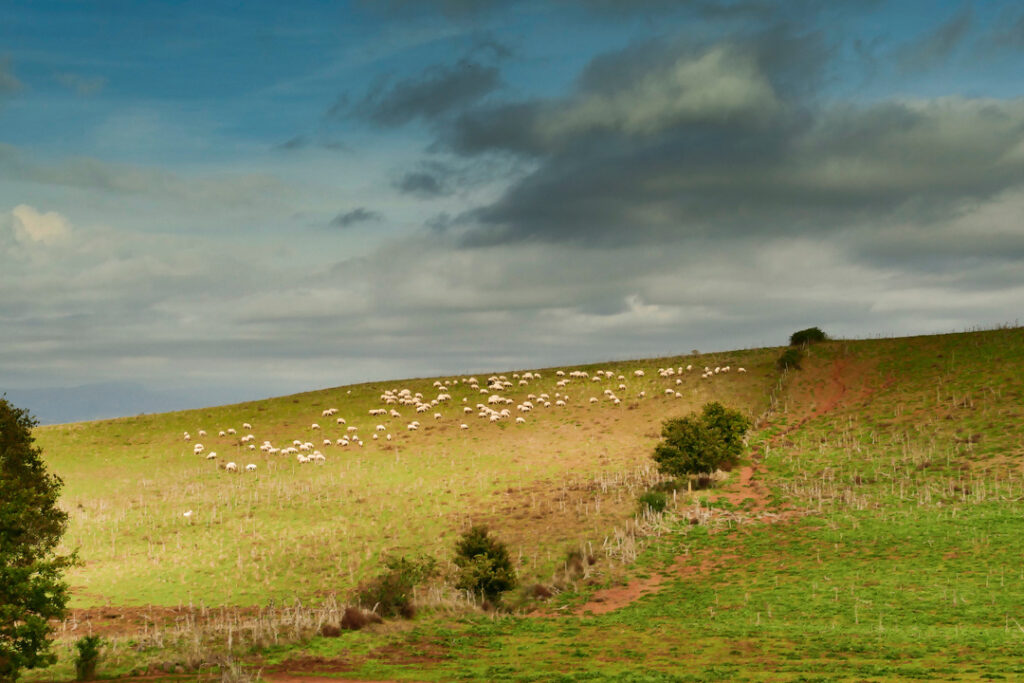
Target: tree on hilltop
[31, 525]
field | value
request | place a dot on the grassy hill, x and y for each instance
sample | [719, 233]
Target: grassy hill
[874, 534]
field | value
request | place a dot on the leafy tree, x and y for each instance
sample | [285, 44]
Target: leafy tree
[812, 335]
[485, 566]
[699, 444]
[31, 587]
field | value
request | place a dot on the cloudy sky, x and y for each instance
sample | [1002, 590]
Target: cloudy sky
[202, 204]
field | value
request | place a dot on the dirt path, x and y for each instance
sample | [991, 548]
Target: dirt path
[746, 492]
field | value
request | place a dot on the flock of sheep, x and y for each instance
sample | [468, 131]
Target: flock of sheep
[495, 407]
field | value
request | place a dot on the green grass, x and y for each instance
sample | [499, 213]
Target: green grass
[565, 477]
[896, 467]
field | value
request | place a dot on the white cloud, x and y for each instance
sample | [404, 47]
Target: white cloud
[31, 226]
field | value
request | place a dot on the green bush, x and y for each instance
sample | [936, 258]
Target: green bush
[485, 567]
[701, 444]
[812, 335]
[391, 593]
[655, 501]
[790, 359]
[88, 656]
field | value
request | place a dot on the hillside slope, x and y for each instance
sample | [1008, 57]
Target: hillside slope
[873, 534]
[889, 549]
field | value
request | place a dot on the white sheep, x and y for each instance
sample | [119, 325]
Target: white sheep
[638, 373]
[520, 420]
[314, 426]
[250, 467]
[198, 448]
[231, 467]
[211, 455]
[463, 426]
[188, 437]
[246, 425]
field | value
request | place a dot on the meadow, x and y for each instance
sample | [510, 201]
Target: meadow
[874, 533]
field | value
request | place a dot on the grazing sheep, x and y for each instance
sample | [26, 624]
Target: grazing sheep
[381, 428]
[222, 433]
[246, 425]
[314, 426]
[741, 369]
[198, 448]
[463, 426]
[186, 514]
[250, 467]
[520, 420]
[231, 467]
[340, 420]
[638, 373]
[211, 455]
[231, 431]
[188, 437]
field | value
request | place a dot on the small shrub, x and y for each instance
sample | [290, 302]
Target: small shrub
[655, 501]
[391, 593]
[88, 656]
[330, 631]
[701, 444]
[354, 619]
[485, 567]
[812, 335]
[790, 359]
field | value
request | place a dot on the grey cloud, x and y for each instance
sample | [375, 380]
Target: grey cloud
[935, 47]
[435, 92]
[350, 218]
[645, 89]
[83, 85]
[422, 184]
[660, 144]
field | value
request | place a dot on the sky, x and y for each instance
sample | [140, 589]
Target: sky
[204, 202]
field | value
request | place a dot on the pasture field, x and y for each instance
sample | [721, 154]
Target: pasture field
[876, 532]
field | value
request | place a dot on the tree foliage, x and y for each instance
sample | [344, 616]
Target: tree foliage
[31, 525]
[485, 566]
[703, 443]
[812, 335]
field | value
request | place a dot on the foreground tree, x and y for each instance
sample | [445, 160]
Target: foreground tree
[31, 587]
[699, 444]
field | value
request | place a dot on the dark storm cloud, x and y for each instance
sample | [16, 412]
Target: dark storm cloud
[350, 218]
[660, 142]
[434, 92]
[935, 47]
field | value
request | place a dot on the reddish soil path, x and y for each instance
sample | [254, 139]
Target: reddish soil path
[748, 492]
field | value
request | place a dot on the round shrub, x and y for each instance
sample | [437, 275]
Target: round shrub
[702, 443]
[485, 567]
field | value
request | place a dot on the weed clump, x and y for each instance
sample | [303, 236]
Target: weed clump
[355, 619]
[391, 593]
[701, 444]
[653, 501]
[485, 566]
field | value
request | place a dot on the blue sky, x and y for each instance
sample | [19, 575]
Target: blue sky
[204, 202]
